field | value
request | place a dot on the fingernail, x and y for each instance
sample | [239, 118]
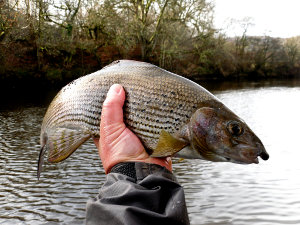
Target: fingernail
[115, 89]
[169, 160]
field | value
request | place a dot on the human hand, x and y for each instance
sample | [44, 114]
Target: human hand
[117, 143]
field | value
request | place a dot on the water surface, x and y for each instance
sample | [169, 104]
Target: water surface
[216, 193]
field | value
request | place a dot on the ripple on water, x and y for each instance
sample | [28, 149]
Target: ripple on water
[62, 192]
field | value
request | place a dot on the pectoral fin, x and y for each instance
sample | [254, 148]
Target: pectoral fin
[168, 145]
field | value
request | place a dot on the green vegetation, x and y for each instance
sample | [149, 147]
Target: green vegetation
[56, 41]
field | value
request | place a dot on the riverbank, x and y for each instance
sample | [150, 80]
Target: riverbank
[33, 82]
[55, 67]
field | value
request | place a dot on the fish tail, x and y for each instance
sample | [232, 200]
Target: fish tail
[41, 161]
[60, 143]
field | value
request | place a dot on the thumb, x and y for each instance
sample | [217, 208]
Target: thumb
[112, 109]
[112, 124]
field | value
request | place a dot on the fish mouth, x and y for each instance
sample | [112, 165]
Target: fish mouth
[249, 160]
[264, 155]
[243, 161]
[245, 154]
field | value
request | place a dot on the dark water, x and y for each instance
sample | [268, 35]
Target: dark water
[216, 193]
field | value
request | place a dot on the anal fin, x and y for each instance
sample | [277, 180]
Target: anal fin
[168, 145]
[63, 142]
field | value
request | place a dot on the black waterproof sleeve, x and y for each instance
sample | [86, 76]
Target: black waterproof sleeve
[147, 194]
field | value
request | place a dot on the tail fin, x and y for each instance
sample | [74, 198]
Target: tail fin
[41, 161]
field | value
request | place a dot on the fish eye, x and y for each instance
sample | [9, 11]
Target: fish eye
[235, 128]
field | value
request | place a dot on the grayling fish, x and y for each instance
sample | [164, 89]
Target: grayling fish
[171, 115]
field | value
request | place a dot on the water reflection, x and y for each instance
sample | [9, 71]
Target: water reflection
[216, 193]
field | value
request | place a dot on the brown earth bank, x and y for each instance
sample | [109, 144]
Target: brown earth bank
[20, 65]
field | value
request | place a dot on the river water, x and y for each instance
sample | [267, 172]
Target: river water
[216, 193]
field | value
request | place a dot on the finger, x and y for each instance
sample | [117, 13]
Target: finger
[166, 162]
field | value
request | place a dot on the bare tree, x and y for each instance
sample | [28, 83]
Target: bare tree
[8, 16]
[144, 22]
[62, 13]
[264, 50]
[242, 43]
[292, 47]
